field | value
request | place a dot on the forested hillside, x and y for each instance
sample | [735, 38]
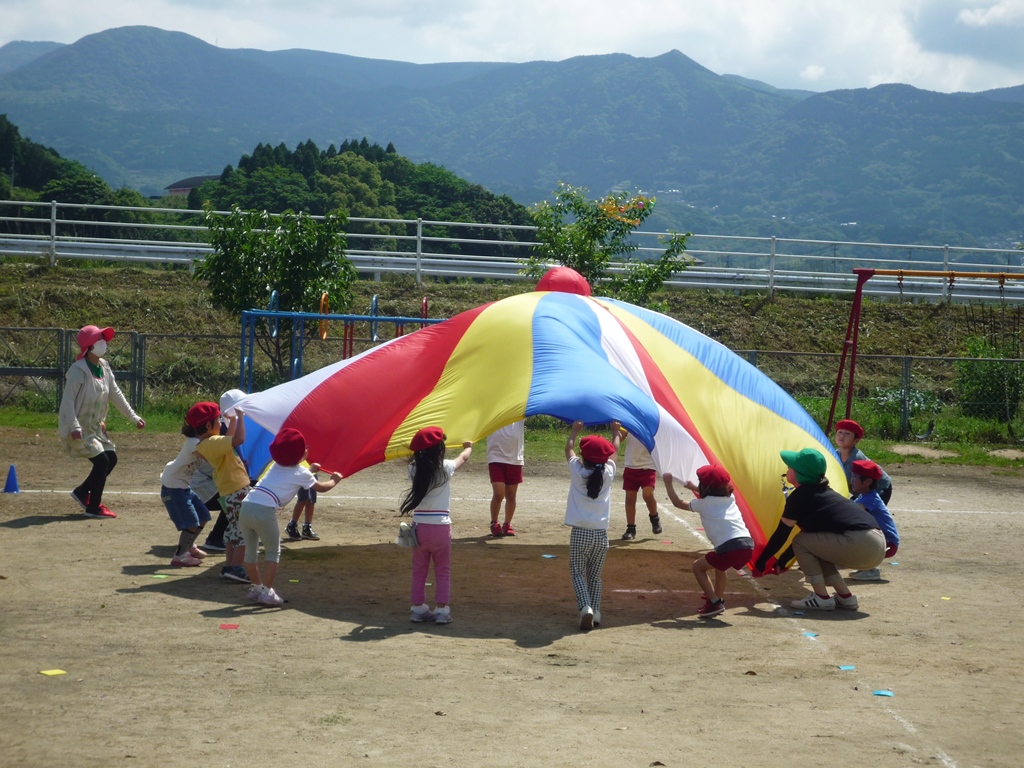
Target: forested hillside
[724, 155]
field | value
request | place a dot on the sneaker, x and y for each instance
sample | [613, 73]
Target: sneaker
[214, 546]
[106, 511]
[421, 613]
[587, 619]
[234, 573]
[630, 533]
[95, 514]
[871, 574]
[83, 503]
[597, 618]
[849, 603]
[185, 560]
[270, 597]
[254, 592]
[710, 608]
[197, 553]
[508, 530]
[656, 524]
[815, 603]
[292, 531]
[308, 533]
[496, 530]
[443, 615]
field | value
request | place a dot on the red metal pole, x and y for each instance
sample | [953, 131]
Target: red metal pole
[849, 348]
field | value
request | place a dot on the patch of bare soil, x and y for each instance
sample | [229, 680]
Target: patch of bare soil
[340, 676]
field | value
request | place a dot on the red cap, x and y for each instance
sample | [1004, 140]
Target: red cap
[867, 468]
[89, 335]
[288, 447]
[596, 449]
[427, 437]
[851, 426]
[201, 414]
[565, 280]
[713, 476]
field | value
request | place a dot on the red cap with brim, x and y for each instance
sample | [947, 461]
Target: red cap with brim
[89, 335]
[596, 449]
[866, 468]
[201, 414]
[427, 437]
[288, 447]
[851, 426]
[713, 476]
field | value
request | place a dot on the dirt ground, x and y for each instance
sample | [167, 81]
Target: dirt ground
[339, 676]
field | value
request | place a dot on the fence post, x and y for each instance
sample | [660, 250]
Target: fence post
[945, 268]
[53, 232]
[142, 369]
[905, 400]
[419, 249]
[771, 270]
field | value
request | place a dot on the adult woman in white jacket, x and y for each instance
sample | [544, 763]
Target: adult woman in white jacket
[88, 392]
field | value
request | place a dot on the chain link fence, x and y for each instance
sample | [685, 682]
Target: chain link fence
[895, 397]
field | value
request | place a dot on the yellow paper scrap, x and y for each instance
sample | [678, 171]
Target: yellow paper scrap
[52, 672]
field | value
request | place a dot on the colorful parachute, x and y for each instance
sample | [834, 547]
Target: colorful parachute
[686, 397]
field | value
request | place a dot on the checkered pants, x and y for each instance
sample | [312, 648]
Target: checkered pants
[587, 550]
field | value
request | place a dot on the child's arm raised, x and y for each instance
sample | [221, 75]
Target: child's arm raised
[239, 437]
[462, 458]
[617, 431]
[672, 495]
[570, 441]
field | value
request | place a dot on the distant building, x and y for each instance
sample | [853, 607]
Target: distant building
[185, 186]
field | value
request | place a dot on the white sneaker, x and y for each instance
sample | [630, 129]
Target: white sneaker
[597, 618]
[871, 574]
[420, 613]
[587, 619]
[849, 603]
[185, 560]
[270, 597]
[443, 615]
[254, 592]
[815, 603]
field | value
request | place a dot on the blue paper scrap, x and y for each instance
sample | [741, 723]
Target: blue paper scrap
[883, 693]
[847, 667]
[549, 557]
[810, 634]
[893, 563]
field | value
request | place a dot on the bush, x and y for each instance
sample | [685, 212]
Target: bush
[989, 387]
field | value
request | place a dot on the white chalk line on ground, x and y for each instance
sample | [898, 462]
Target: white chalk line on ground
[909, 727]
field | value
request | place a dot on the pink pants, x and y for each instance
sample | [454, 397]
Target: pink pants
[435, 544]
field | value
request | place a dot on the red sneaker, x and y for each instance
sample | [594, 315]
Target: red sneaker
[106, 511]
[508, 530]
[496, 529]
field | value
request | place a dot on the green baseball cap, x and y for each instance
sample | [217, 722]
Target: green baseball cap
[808, 464]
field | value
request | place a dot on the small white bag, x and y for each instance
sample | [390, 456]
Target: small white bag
[407, 535]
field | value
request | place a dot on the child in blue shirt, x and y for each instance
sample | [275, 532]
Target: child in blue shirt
[865, 476]
[848, 434]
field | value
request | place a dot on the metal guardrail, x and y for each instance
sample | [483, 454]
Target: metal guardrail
[54, 231]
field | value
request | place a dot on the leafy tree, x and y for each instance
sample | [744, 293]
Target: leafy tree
[256, 253]
[587, 235]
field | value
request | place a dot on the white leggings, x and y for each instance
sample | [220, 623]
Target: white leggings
[258, 522]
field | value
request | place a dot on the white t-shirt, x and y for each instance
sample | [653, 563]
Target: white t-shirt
[279, 485]
[506, 446]
[178, 473]
[437, 503]
[721, 518]
[637, 457]
[581, 511]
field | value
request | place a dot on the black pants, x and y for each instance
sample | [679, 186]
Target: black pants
[92, 487]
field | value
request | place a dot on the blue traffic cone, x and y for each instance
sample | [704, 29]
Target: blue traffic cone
[11, 486]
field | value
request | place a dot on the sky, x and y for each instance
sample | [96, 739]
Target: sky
[819, 45]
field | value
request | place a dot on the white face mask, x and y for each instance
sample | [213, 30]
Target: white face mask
[99, 348]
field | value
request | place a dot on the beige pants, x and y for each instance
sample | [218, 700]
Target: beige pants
[821, 555]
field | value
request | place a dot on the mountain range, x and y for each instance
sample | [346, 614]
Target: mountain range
[144, 107]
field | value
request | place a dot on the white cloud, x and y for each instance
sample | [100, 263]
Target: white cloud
[812, 73]
[1011, 11]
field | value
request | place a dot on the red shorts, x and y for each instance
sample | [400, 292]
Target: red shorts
[737, 558]
[509, 474]
[635, 479]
